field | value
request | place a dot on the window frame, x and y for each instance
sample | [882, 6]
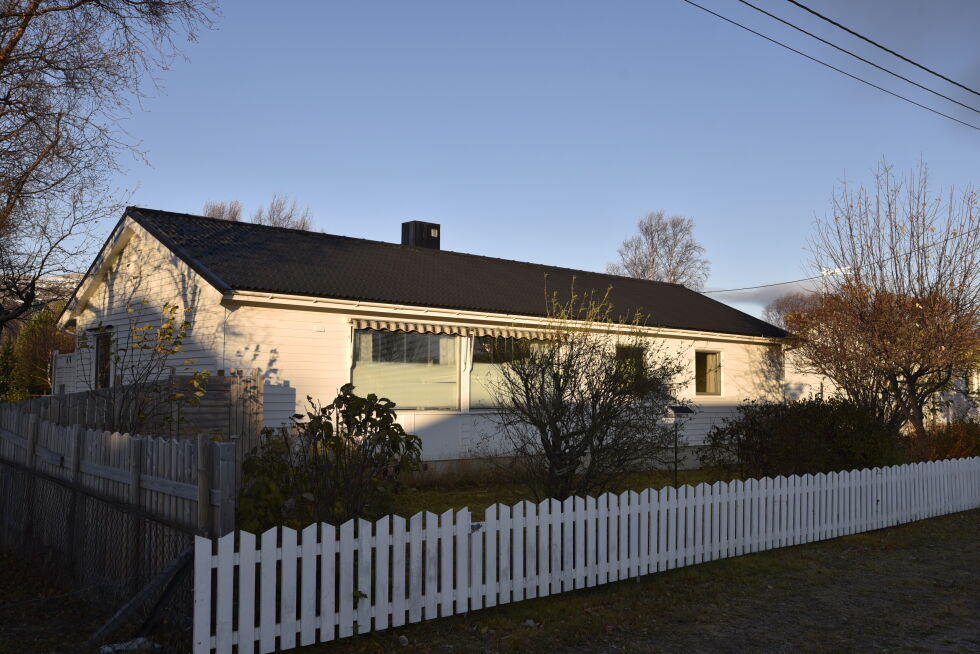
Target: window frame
[720, 372]
[457, 353]
[102, 374]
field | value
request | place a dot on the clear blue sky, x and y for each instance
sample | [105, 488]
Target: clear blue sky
[542, 131]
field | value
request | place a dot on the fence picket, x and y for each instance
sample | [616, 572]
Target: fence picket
[363, 591]
[604, 529]
[499, 591]
[399, 570]
[345, 593]
[446, 534]
[287, 595]
[268, 587]
[307, 581]
[483, 571]
[246, 592]
[224, 593]
[379, 597]
[518, 570]
[543, 550]
[328, 598]
[462, 537]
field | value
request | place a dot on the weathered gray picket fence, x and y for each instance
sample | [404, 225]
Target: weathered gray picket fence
[286, 588]
[190, 483]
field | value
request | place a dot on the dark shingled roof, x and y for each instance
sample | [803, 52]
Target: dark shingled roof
[248, 257]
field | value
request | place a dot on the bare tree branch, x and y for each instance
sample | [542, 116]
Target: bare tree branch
[68, 74]
[280, 212]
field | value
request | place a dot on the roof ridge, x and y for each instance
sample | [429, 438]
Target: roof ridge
[248, 224]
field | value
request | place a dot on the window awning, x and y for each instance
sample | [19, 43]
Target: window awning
[452, 330]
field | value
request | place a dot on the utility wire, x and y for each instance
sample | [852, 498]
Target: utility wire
[824, 63]
[878, 45]
[859, 57]
[834, 272]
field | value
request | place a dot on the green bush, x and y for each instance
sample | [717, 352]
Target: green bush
[340, 461]
[805, 436]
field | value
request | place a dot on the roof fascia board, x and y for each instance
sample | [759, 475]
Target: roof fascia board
[424, 314]
[115, 242]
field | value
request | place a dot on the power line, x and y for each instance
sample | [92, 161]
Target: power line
[859, 57]
[878, 45]
[752, 288]
[824, 63]
[834, 272]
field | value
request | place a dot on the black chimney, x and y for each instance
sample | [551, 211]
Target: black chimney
[418, 234]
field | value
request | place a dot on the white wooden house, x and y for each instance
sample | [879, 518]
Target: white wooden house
[313, 311]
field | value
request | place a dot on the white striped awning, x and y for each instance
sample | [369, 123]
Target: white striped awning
[436, 328]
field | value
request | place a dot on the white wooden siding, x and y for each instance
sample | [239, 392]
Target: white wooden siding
[145, 271]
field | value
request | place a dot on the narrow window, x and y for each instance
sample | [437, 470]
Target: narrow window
[413, 370]
[103, 359]
[707, 373]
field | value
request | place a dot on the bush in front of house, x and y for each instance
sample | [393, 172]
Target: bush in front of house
[804, 436]
[952, 440]
[340, 461]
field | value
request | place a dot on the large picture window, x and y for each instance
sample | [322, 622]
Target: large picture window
[490, 354]
[413, 370]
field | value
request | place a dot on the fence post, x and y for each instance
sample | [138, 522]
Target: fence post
[203, 485]
[76, 436]
[32, 429]
[225, 485]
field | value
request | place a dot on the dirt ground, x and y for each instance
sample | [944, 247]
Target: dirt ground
[914, 588]
[38, 616]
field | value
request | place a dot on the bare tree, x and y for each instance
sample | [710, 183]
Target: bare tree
[283, 212]
[900, 312]
[223, 210]
[68, 73]
[583, 404]
[280, 212]
[663, 250]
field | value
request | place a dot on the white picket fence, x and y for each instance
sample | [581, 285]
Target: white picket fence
[285, 588]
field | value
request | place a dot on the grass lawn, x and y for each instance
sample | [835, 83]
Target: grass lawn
[908, 588]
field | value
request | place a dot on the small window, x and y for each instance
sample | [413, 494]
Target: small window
[707, 373]
[630, 364]
[972, 382]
